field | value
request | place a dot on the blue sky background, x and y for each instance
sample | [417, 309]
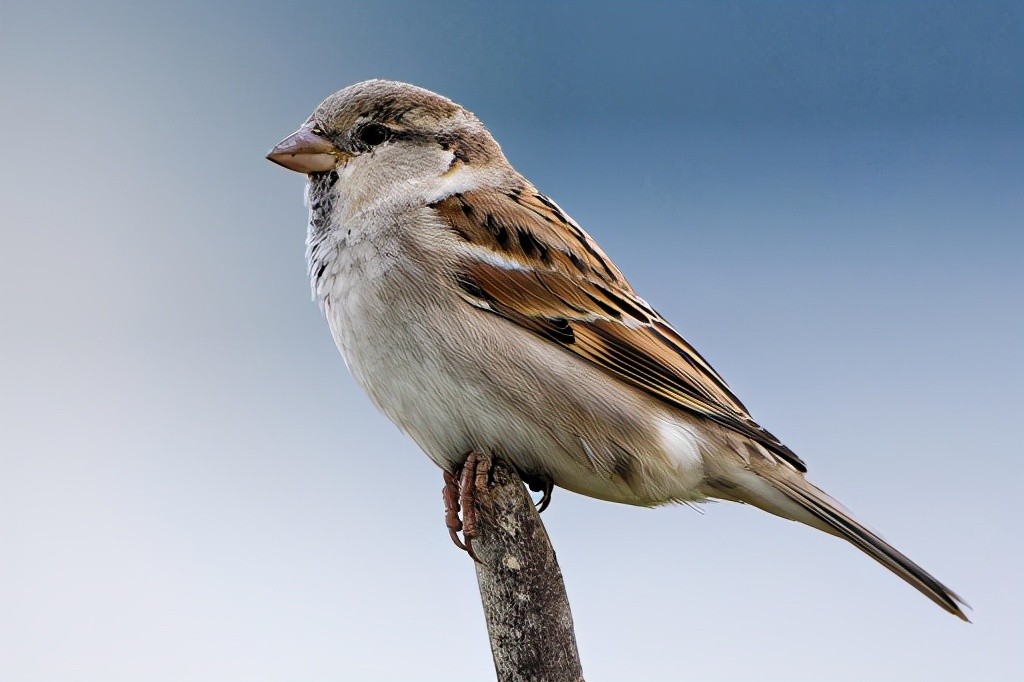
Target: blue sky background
[826, 198]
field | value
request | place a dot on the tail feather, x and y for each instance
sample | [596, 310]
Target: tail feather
[838, 521]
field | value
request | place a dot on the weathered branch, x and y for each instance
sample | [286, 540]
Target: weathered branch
[525, 604]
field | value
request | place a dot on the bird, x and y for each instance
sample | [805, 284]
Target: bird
[480, 318]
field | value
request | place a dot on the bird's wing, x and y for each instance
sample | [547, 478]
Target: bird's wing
[527, 261]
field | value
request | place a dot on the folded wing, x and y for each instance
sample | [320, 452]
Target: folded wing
[528, 262]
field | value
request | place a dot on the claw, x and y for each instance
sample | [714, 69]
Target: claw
[545, 499]
[541, 484]
[458, 543]
[470, 552]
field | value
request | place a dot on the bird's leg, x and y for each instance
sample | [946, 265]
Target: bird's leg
[450, 493]
[459, 492]
[475, 474]
[538, 484]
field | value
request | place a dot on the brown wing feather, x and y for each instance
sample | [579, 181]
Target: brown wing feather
[569, 292]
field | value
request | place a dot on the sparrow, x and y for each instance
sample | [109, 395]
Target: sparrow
[480, 318]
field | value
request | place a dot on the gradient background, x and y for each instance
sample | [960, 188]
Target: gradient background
[826, 198]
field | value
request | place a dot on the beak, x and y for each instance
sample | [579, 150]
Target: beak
[306, 152]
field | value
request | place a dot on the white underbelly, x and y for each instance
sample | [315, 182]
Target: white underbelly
[455, 379]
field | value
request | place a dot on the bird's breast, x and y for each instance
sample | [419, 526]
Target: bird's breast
[456, 378]
[387, 313]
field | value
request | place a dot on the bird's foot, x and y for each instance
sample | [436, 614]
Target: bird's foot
[538, 484]
[450, 493]
[459, 492]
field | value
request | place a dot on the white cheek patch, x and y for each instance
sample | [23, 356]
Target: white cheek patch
[458, 179]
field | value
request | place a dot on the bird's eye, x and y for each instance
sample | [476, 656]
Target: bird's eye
[373, 134]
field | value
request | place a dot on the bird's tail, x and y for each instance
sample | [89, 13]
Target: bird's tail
[821, 511]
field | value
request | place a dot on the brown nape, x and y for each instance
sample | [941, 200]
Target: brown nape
[470, 146]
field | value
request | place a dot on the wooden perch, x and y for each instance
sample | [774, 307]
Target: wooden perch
[527, 611]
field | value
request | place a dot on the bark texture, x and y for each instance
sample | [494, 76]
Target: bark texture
[527, 611]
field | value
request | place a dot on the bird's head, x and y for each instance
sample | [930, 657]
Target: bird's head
[383, 138]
